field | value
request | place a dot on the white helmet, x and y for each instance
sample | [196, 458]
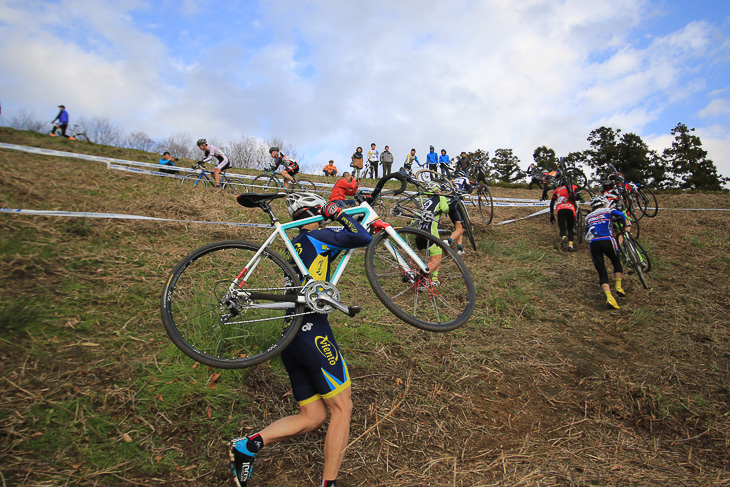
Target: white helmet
[431, 187]
[304, 205]
[599, 201]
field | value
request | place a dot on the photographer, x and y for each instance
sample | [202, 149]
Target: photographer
[168, 160]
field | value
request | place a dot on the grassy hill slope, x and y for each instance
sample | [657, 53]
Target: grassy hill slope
[544, 386]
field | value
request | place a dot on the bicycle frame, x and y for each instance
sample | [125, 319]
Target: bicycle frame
[371, 220]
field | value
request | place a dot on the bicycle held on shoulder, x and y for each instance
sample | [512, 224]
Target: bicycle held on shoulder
[273, 182]
[638, 198]
[206, 177]
[234, 304]
[633, 254]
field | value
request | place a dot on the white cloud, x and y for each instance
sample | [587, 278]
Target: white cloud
[330, 75]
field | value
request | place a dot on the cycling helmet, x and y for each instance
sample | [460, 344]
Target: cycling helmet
[599, 201]
[202, 142]
[272, 149]
[431, 187]
[304, 205]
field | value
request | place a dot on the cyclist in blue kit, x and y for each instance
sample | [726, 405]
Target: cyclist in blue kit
[317, 371]
[600, 235]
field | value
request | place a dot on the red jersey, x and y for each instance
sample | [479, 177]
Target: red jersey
[561, 196]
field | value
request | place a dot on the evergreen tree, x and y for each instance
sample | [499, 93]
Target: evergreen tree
[545, 159]
[689, 163]
[507, 166]
[604, 149]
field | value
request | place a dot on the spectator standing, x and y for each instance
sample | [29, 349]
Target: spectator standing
[330, 169]
[62, 124]
[444, 163]
[346, 186]
[432, 159]
[356, 163]
[373, 159]
[386, 159]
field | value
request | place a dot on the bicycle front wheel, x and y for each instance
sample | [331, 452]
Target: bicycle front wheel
[304, 185]
[226, 325]
[424, 301]
[265, 184]
[486, 204]
[406, 210]
[580, 225]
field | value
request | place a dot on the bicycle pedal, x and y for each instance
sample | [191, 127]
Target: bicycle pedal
[353, 310]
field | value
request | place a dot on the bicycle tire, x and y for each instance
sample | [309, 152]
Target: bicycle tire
[411, 296]
[197, 318]
[466, 223]
[632, 260]
[650, 207]
[486, 204]
[577, 176]
[265, 184]
[644, 259]
[305, 185]
[580, 226]
[236, 185]
[428, 175]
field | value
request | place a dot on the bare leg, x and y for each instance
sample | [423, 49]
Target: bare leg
[217, 176]
[310, 417]
[338, 432]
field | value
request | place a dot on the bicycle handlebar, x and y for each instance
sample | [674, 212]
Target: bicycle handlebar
[381, 182]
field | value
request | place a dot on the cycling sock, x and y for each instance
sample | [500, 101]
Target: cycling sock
[611, 301]
[459, 247]
[570, 243]
[619, 290]
[451, 240]
[255, 443]
[435, 275]
[329, 483]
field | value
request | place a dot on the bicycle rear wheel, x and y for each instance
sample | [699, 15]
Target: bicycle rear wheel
[236, 185]
[647, 201]
[632, 259]
[486, 204]
[413, 297]
[265, 184]
[224, 326]
[304, 185]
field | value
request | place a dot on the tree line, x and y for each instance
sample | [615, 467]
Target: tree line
[684, 165]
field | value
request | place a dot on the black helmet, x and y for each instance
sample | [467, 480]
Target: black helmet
[202, 142]
[272, 149]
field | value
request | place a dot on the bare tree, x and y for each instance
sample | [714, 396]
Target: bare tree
[180, 145]
[101, 131]
[25, 120]
[141, 141]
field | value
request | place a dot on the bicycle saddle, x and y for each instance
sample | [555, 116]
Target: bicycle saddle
[254, 200]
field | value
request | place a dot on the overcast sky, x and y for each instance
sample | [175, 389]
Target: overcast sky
[330, 75]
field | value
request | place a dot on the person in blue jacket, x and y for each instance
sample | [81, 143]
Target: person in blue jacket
[444, 163]
[317, 371]
[432, 159]
[62, 124]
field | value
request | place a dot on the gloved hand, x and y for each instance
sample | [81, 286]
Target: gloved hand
[552, 218]
[330, 211]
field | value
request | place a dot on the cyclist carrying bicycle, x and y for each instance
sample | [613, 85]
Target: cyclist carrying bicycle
[213, 155]
[600, 235]
[433, 208]
[566, 206]
[317, 371]
[291, 167]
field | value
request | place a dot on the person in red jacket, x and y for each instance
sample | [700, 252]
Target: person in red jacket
[346, 186]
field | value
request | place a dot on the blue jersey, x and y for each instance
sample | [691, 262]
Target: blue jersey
[599, 223]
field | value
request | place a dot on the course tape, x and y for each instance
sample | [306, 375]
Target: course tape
[119, 216]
